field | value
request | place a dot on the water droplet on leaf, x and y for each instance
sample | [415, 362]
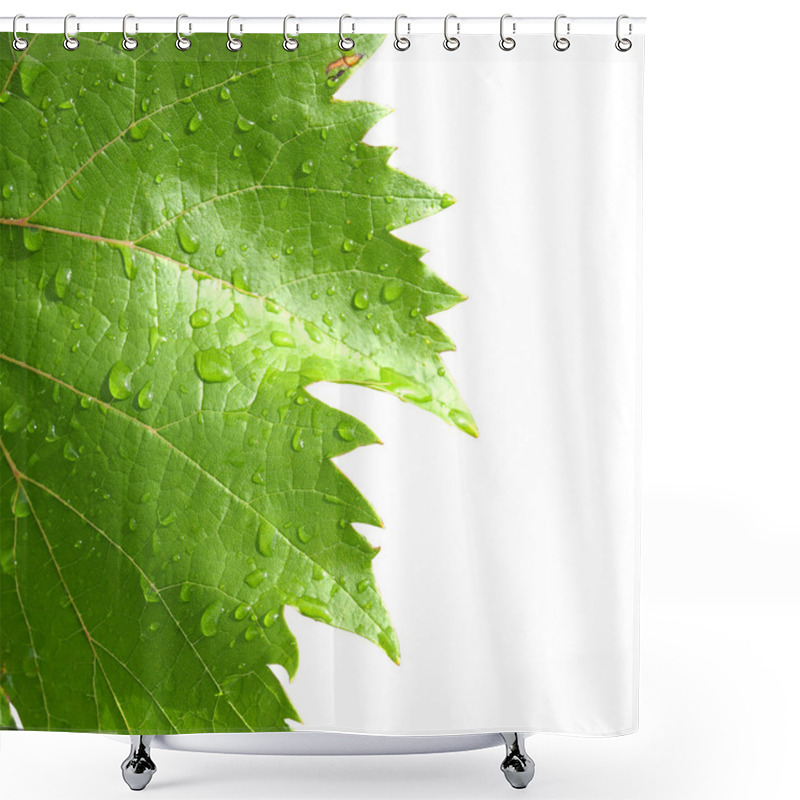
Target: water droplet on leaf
[145, 397]
[281, 339]
[200, 318]
[213, 365]
[119, 381]
[210, 618]
[361, 299]
[245, 124]
[33, 239]
[188, 242]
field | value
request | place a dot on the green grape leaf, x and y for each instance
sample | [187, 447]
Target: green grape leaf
[188, 241]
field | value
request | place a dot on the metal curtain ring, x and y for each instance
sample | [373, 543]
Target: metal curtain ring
[451, 42]
[233, 44]
[561, 43]
[623, 44]
[128, 43]
[289, 43]
[18, 43]
[401, 42]
[506, 42]
[181, 42]
[345, 42]
[70, 42]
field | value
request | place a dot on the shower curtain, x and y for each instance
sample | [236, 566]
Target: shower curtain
[320, 385]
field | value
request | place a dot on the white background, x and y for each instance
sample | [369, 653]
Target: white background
[721, 445]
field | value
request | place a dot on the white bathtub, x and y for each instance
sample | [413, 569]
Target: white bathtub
[139, 767]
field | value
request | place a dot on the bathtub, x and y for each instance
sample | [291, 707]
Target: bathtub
[139, 767]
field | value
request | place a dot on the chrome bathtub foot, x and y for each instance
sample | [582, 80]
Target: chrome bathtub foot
[517, 766]
[138, 768]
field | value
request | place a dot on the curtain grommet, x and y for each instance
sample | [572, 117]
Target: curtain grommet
[345, 42]
[18, 43]
[561, 43]
[70, 42]
[507, 43]
[233, 44]
[451, 43]
[401, 43]
[181, 42]
[128, 42]
[290, 44]
[623, 44]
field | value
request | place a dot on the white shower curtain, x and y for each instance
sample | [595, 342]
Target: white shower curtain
[510, 561]
[159, 311]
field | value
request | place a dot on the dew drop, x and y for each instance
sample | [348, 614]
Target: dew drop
[251, 633]
[61, 281]
[237, 151]
[239, 316]
[159, 177]
[361, 299]
[314, 333]
[264, 540]
[313, 608]
[258, 477]
[119, 381]
[271, 617]
[303, 535]
[281, 339]
[127, 262]
[186, 593]
[213, 365]
[148, 590]
[241, 611]
[33, 239]
[297, 441]
[210, 618]
[200, 318]
[240, 279]
[363, 585]
[189, 243]
[307, 167]
[219, 251]
[224, 93]
[348, 245]
[327, 318]
[8, 190]
[345, 431]
[19, 504]
[317, 573]
[391, 291]
[140, 131]
[195, 122]
[188, 80]
[415, 312]
[145, 396]
[70, 453]
[462, 419]
[404, 387]
[255, 578]
[244, 124]
[14, 418]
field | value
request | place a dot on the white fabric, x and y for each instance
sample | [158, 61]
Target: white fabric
[509, 563]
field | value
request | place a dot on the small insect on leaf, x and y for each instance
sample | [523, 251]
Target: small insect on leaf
[341, 65]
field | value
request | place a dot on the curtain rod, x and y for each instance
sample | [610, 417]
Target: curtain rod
[302, 24]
